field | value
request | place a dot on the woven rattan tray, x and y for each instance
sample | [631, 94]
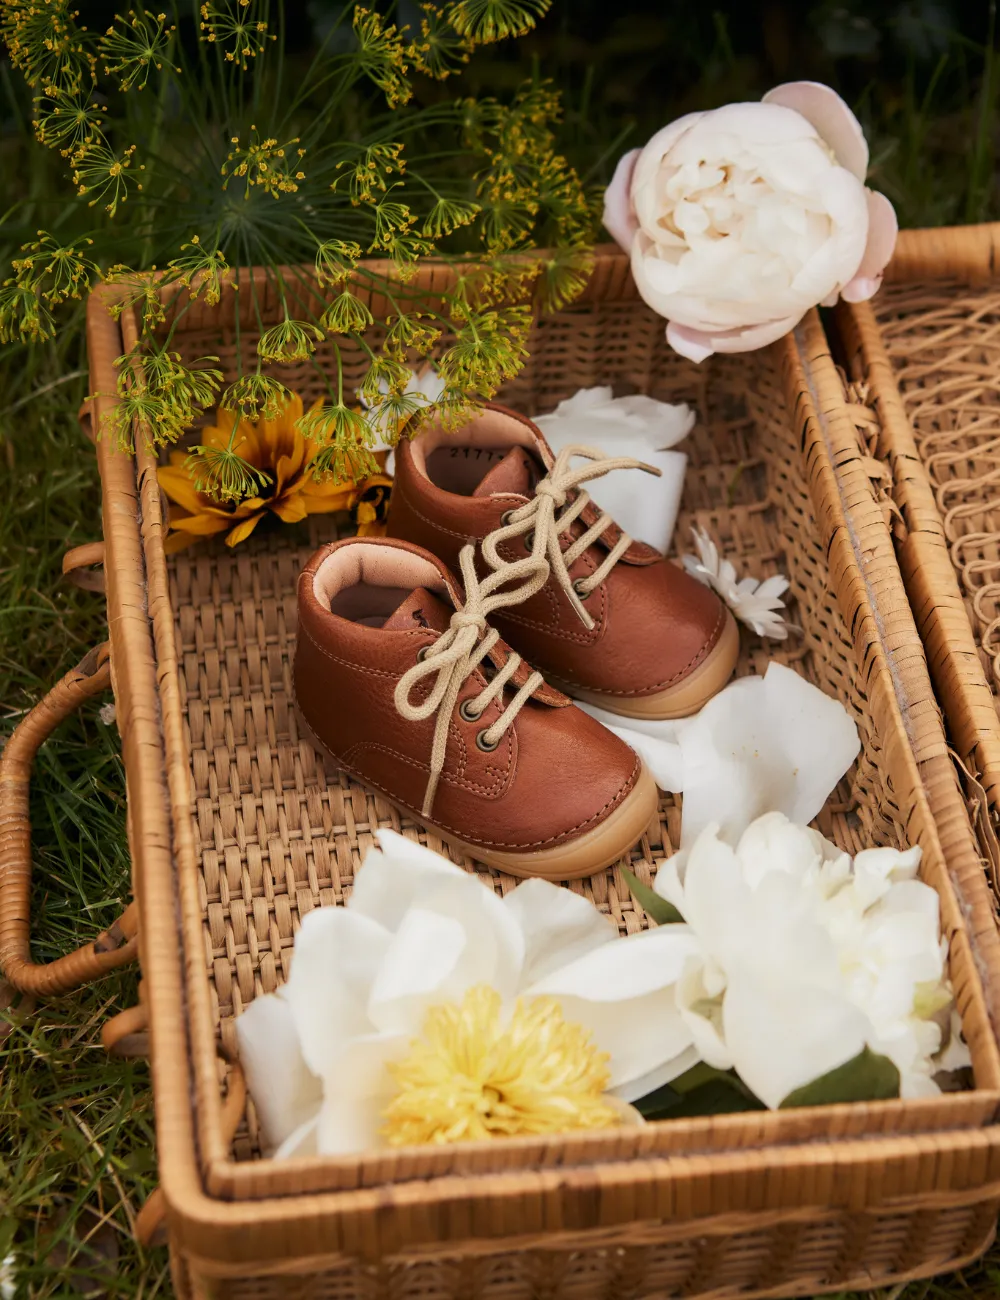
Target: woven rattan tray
[237, 830]
[928, 351]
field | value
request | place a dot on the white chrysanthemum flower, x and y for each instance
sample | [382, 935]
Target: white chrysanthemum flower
[753, 601]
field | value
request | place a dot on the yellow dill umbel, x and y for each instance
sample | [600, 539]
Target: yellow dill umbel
[475, 1075]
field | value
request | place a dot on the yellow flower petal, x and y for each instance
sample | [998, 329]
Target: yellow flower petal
[243, 530]
[472, 1075]
[204, 524]
[290, 508]
[176, 482]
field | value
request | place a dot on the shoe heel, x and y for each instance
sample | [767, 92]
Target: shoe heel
[305, 732]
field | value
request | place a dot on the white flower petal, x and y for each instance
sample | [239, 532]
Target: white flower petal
[657, 1077]
[619, 217]
[824, 109]
[357, 1094]
[302, 1141]
[285, 1092]
[783, 1035]
[396, 875]
[696, 345]
[558, 926]
[623, 993]
[337, 956]
[462, 935]
[643, 505]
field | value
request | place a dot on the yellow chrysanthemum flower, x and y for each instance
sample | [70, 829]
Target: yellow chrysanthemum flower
[278, 450]
[473, 1075]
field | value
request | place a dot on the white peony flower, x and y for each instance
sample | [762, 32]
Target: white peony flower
[419, 933]
[764, 744]
[740, 219]
[637, 426]
[753, 601]
[806, 960]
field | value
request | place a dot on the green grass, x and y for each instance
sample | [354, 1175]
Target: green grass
[76, 1127]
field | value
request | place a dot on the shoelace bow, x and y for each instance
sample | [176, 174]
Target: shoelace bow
[457, 653]
[538, 517]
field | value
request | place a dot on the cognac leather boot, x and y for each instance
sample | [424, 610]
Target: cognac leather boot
[400, 678]
[615, 624]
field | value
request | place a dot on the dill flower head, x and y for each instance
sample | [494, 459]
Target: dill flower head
[476, 1075]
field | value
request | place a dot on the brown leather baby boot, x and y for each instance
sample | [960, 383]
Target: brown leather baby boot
[400, 678]
[616, 623]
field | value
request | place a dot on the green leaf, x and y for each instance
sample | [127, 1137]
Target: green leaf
[866, 1077]
[655, 907]
[702, 1090]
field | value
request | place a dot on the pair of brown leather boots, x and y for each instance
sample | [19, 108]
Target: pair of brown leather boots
[414, 681]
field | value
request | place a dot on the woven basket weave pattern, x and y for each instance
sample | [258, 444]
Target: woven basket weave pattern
[776, 1204]
[278, 836]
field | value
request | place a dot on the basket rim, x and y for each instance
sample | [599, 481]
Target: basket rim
[194, 1178]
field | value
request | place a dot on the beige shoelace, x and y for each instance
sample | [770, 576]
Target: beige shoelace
[459, 650]
[538, 517]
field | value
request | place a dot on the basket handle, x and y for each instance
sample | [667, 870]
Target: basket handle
[151, 1227]
[116, 946]
[84, 566]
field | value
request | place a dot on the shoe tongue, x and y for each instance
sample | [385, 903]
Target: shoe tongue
[517, 473]
[421, 608]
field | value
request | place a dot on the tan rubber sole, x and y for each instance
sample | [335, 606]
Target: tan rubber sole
[583, 856]
[678, 701]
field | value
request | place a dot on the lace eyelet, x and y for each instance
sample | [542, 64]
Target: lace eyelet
[422, 653]
[529, 540]
[505, 519]
[467, 713]
[483, 744]
[577, 587]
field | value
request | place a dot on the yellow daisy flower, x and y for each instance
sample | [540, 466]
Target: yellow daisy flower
[278, 449]
[476, 1075]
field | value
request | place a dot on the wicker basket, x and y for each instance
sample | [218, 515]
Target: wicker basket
[237, 830]
[927, 350]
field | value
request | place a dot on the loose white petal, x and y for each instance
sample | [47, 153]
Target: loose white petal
[643, 505]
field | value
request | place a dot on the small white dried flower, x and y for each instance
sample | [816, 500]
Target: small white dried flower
[754, 602]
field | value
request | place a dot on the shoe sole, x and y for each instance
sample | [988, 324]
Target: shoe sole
[678, 701]
[573, 860]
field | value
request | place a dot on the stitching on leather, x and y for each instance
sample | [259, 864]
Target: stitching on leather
[506, 844]
[702, 654]
[439, 528]
[449, 778]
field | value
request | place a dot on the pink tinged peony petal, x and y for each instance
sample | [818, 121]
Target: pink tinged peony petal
[832, 119]
[883, 227]
[619, 216]
[696, 345]
[860, 289]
